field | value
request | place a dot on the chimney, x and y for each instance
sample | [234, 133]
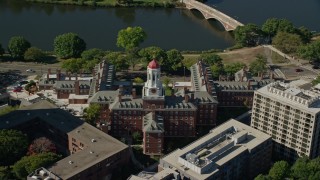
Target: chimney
[77, 87]
[120, 93]
[134, 93]
[186, 98]
[48, 74]
[58, 74]
[271, 75]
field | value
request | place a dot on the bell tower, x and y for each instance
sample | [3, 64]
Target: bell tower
[153, 86]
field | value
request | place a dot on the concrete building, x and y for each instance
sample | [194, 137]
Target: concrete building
[289, 112]
[230, 151]
[90, 153]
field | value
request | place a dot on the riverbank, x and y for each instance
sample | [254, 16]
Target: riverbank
[113, 3]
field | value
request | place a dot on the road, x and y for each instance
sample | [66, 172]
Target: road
[21, 67]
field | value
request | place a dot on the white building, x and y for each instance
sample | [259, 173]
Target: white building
[290, 114]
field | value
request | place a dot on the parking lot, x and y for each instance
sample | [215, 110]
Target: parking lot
[294, 72]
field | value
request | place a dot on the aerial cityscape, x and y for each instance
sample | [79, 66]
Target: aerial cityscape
[159, 90]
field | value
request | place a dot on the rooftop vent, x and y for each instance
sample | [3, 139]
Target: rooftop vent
[70, 162]
[93, 140]
[91, 152]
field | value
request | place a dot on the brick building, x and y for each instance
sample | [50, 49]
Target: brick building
[90, 153]
[154, 115]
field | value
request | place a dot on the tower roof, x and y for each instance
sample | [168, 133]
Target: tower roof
[153, 64]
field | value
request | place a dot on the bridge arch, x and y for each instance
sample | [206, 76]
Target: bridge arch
[208, 12]
[208, 16]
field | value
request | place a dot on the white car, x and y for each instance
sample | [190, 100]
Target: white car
[30, 70]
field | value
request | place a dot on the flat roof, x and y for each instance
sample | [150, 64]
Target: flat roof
[97, 144]
[215, 149]
[293, 95]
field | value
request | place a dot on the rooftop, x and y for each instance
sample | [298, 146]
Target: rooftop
[203, 157]
[291, 93]
[97, 145]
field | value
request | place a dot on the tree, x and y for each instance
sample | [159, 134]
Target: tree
[1, 50]
[300, 170]
[13, 145]
[166, 81]
[68, 45]
[92, 54]
[88, 66]
[41, 145]
[137, 138]
[124, 2]
[262, 177]
[232, 68]
[310, 51]
[30, 163]
[130, 39]
[217, 69]
[286, 42]
[118, 60]
[73, 65]
[305, 34]
[174, 60]
[31, 86]
[34, 54]
[138, 80]
[286, 26]
[248, 35]
[210, 58]
[153, 52]
[259, 65]
[18, 45]
[279, 171]
[92, 113]
[270, 27]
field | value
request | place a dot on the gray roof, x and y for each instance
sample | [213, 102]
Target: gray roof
[97, 144]
[214, 150]
[152, 125]
[104, 97]
[127, 102]
[178, 103]
[241, 86]
[84, 84]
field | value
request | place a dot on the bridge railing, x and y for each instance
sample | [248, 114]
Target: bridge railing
[209, 9]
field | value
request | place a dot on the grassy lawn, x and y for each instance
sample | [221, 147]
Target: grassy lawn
[244, 55]
[277, 59]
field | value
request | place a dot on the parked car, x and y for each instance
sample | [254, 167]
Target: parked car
[17, 89]
[30, 70]
[299, 70]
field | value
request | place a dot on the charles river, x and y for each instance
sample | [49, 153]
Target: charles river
[166, 28]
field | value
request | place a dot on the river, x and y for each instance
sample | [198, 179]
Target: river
[166, 28]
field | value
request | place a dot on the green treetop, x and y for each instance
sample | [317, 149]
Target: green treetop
[68, 45]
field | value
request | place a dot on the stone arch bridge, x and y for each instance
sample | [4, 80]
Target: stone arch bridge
[208, 12]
